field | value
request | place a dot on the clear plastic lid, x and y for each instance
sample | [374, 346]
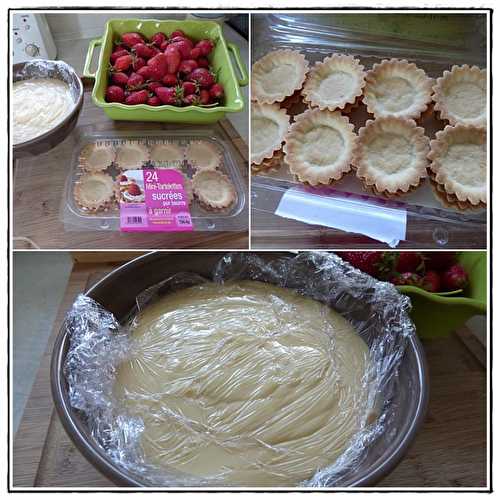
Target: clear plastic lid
[372, 38]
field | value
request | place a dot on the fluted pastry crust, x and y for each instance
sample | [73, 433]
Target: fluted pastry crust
[391, 155]
[270, 125]
[278, 75]
[318, 148]
[131, 155]
[398, 88]
[334, 82]
[95, 192]
[459, 163]
[96, 157]
[460, 96]
[213, 189]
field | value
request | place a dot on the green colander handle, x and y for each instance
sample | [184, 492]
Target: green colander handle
[243, 81]
[90, 54]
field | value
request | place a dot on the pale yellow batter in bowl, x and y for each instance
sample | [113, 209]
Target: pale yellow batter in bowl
[244, 384]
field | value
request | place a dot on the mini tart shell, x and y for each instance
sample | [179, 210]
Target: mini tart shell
[458, 74]
[274, 113]
[401, 69]
[97, 157]
[203, 155]
[262, 68]
[295, 144]
[167, 155]
[213, 189]
[459, 134]
[131, 155]
[321, 70]
[398, 182]
[92, 204]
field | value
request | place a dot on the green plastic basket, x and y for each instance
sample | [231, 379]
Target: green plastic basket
[437, 315]
[220, 60]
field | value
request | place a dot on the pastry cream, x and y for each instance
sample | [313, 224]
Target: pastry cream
[38, 106]
[245, 384]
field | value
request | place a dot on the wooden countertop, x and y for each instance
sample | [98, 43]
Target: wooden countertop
[449, 450]
[38, 186]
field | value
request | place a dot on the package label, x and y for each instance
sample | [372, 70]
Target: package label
[154, 200]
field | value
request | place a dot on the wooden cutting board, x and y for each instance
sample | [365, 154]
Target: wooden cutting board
[449, 450]
[39, 187]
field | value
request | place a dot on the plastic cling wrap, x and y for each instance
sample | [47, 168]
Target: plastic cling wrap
[276, 372]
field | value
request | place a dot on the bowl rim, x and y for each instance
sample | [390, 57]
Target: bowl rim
[443, 299]
[100, 73]
[97, 457]
[76, 108]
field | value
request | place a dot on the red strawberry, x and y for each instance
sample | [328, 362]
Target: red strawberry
[158, 66]
[137, 97]
[439, 261]
[180, 38]
[116, 54]
[186, 66]
[205, 97]
[158, 39]
[143, 50]
[167, 95]
[191, 100]
[138, 63]
[164, 45]
[134, 81]
[154, 100]
[216, 91]
[195, 53]
[368, 262]
[115, 94]
[154, 85]
[408, 262]
[130, 39]
[169, 80]
[202, 76]
[205, 46]
[119, 78]
[189, 88]
[431, 282]
[123, 63]
[145, 72]
[203, 62]
[183, 46]
[172, 58]
[134, 190]
[177, 33]
[122, 178]
[407, 279]
[455, 278]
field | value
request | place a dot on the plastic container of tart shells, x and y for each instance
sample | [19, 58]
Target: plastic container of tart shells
[99, 167]
[318, 36]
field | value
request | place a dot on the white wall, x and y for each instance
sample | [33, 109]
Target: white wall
[70, 26]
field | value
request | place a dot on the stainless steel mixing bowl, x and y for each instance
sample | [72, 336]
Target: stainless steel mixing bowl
[44, 68]
[117, 292]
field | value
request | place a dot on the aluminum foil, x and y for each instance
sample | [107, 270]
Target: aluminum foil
[98, 344]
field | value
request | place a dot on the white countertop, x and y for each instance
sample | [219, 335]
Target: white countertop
[74, 50]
